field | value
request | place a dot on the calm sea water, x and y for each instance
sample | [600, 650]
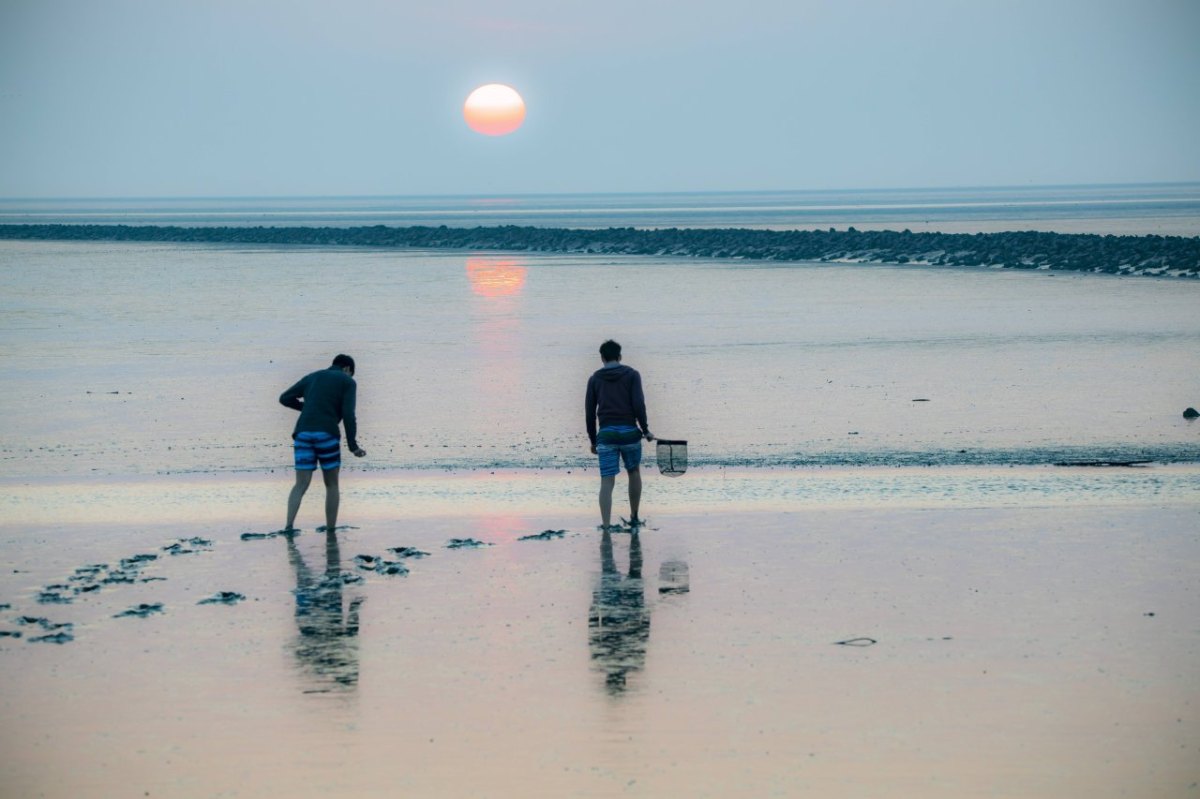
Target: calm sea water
[128, 359]
[1165, 209]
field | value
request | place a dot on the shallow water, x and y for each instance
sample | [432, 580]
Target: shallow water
[141, 359]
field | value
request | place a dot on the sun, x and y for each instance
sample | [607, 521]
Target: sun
[494, 109]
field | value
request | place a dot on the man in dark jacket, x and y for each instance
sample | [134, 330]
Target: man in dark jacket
[614, 397]
[324, 399]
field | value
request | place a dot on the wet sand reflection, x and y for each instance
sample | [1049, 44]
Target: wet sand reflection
[619, 620]
[327, 646]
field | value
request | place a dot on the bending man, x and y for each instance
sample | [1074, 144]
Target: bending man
[325, 399]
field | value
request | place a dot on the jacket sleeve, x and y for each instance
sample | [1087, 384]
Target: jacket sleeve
[639, 404]
[589, 410]
[349, 400]
[294, 396]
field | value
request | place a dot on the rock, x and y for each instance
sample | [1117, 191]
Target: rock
[1191, 413]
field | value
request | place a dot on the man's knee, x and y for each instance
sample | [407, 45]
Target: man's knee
[330, 476]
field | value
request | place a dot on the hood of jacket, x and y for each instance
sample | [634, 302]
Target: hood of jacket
[611, 374]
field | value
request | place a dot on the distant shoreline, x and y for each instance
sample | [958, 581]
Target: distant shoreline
[1152, 255]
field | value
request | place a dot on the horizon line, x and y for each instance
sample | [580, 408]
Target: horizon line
[976, 187]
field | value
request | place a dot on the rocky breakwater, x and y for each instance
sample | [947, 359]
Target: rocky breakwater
[1166, 256]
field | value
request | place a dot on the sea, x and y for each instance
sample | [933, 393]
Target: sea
[124, 360]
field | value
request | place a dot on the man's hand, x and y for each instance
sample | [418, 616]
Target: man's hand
[358, 453]
[648, 435]
[593, 449]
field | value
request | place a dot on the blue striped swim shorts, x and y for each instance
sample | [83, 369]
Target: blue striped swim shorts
[314, 448]
[616, 444]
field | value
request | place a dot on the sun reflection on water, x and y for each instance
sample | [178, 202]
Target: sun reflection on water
[495, 277]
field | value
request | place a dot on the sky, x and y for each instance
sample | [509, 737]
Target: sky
[220, 98]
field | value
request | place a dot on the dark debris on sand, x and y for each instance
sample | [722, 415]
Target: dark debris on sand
[223, 598]
[466, 543]
[862, 641]
[188, 546]
[379, 565]
[142, 610]
[263, 536]
[55, 633]
[544, 535]
[408, 552]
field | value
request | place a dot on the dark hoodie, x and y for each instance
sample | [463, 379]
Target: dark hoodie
[324, 398]
[614, 394]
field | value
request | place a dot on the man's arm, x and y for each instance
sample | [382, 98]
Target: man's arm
[639, 406]
[294, 396]
[589, 410]
[349, 400]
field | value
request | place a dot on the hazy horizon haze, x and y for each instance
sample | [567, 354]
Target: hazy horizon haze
[270, 99]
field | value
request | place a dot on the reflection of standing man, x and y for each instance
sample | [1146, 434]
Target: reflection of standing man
[614, 397]
[325, 399]
[327, 643]
[619, 621]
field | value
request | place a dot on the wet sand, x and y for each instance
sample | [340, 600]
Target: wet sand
[1041, 649]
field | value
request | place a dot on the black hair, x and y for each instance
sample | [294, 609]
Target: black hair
[610, 351]
[344, 361]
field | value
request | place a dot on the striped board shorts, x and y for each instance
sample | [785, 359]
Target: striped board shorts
[617, 444]
[314, 448]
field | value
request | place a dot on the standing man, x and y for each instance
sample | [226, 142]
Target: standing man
[614, 396]
[324, 399]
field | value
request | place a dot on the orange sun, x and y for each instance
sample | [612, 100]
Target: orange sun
[494, 109]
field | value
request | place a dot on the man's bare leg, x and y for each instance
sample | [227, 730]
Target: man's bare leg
[606, 492]
[635, 493]
[303, 478]
[332, 497]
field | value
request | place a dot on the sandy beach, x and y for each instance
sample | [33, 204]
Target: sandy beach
[1046, 648]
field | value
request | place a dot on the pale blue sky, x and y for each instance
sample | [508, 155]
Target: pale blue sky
[112, 98]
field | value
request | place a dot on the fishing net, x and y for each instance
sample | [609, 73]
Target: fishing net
[672, 457]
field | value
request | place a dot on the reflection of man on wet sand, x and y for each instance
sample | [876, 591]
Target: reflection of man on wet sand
[619, 621]
[328, 644]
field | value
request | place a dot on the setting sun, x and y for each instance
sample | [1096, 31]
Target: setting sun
[494, 109]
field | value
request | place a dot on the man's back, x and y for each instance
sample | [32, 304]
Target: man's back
[324, 398]
[615, 397]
